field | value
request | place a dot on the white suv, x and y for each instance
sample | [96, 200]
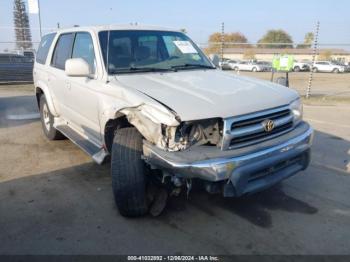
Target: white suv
[326, 66]
[151, 100]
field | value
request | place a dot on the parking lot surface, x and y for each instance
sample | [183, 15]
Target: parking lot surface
[55, 200]
[323, 84]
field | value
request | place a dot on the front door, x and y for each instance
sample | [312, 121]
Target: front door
[82, 98]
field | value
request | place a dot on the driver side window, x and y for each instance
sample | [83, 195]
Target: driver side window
[84, 48]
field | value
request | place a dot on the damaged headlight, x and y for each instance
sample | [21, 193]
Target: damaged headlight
[297, 109]
[190, 133]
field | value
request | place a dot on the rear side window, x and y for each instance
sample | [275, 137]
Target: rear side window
[44, 48]
[62, 51]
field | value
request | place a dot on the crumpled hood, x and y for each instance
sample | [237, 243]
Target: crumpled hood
[201, 94]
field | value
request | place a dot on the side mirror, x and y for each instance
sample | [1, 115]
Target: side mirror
[77, 67]
[215, 60]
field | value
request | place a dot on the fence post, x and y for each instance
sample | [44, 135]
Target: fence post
[308, 90]
[222, 40]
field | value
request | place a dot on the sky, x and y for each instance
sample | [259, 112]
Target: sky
[200, 18]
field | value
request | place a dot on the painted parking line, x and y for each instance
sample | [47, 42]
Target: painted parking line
[18, 117]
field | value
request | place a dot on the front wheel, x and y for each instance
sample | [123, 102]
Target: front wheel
[297, 69]
[128, 173]
[254, 69]
[336, 71]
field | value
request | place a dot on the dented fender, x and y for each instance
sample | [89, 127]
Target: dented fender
[146, 114]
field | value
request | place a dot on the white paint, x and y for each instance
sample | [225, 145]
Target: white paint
[23, 116]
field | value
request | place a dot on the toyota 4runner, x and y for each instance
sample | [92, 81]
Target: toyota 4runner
[149, 101]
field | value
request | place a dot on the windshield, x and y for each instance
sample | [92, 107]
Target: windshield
[143, 50]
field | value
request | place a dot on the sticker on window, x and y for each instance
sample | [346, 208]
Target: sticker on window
[185, 47]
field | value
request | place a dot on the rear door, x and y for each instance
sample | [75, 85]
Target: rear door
[57, 77]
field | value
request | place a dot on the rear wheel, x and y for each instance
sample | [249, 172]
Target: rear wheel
[128, 172]
[297, 69]
[254, 69]
[315, 70]
[336, 70]
[47, 120]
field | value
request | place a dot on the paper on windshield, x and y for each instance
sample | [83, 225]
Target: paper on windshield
[185, 47]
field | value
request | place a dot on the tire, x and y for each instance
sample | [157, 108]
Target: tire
[236, 68]
[335, 71]
[128, 172]
[47, 120]
[315, 70]
[254, 69]
[297, 69]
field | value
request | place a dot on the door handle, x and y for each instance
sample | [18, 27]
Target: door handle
[68, 85]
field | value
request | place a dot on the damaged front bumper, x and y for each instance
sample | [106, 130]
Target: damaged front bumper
[244, 170]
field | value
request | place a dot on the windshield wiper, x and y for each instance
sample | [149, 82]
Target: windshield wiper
[185, 66]
[133, 69]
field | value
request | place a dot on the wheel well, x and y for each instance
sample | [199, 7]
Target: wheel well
[38, 93]
[110, 128]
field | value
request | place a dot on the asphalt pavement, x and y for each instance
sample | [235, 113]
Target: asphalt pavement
[55, 200]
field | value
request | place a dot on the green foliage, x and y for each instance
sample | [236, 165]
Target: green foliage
[215, 40]
[276, 36]
[21, 24]
[308, 39]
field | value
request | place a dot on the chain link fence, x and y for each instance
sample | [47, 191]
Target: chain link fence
[17, 57]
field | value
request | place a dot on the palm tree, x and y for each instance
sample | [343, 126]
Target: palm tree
[22, 27]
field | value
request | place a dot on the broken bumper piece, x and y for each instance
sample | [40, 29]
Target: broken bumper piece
[245, 170]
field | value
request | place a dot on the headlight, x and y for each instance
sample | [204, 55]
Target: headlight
[297, 109]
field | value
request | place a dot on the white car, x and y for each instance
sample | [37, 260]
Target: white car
[326, 66]
[148, 99]
[300, 66]
[250, 66]
[228, 64]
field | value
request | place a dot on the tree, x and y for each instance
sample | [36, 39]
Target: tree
[21, 24]
[308, 39]
[325, 55]
[249, 54]
[276, 36]
[216, 38]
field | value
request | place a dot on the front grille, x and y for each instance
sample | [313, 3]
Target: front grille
[249, 129]
[259, 119]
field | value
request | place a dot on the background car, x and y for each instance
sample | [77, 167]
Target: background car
[228, 64]
[300, 66]
[327, 66]
[267, 66]
[251, 66]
